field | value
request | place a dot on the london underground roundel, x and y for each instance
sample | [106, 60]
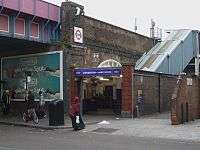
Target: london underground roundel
[78, 35]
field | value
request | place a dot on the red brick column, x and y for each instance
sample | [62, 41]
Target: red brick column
[127, 97]
[174, 113]
[174, 103]
[185, 93]
[73, 87]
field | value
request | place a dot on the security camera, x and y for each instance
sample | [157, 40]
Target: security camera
[78, 11]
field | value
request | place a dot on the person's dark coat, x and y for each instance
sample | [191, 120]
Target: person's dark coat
[6, 101]
[74, 107]
[74, 113]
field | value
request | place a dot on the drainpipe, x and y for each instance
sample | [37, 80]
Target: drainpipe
[159, 100]
[168, 60]
[197, 55]
[81, 96]
[132, 103]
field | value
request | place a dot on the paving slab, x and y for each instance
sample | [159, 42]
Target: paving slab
[154, 126]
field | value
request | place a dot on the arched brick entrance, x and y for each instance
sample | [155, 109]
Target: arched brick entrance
[128, 103]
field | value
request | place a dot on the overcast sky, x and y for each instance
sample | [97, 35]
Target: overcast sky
[168, 14]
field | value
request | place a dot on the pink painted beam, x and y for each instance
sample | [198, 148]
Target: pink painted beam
[42, 9]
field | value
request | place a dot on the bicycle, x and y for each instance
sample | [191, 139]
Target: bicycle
[30, 115]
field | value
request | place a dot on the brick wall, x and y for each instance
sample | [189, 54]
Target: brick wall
[108, 41]
[156, 90]
[185, 100]
[112, 35]
[127, 98]
[167, 85]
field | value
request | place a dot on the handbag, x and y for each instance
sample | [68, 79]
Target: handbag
[77, 119]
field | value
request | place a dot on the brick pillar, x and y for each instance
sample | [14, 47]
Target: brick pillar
[127, 97]
[69, 20]
[174, 113]
[73, 87]
[175, 118]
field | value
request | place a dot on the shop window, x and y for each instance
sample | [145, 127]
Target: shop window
[4, 23]
[35, 30]
[20, 27]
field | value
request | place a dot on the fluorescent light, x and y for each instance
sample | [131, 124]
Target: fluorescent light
[103, 79]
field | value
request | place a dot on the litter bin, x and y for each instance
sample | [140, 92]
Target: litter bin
[56, 113]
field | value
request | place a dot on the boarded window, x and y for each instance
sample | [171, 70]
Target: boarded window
[20, 26]
[35, 30]
[4, 23]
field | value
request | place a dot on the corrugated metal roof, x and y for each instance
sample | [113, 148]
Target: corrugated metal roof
[177, 46]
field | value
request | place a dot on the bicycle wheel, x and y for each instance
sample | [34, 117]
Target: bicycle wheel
[24, 117]
[35, 118]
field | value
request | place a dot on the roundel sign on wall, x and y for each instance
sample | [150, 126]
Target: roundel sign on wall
[78, 35]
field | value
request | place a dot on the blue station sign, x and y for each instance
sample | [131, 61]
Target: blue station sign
[92, 72]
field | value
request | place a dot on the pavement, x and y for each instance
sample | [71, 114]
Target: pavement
[17, 120]
[157, 126]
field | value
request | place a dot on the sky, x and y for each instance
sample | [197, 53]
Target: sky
[167, 14]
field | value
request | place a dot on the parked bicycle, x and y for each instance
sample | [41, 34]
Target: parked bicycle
[30, 113]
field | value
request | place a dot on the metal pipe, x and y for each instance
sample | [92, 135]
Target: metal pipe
[19, 9]
[146, 75]
[159, 95]
[197, 55]
[81, 96]
[132, 91]
[33, 18]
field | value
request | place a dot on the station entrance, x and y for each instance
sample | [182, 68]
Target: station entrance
[100, 90]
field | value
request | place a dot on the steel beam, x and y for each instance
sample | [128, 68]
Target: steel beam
[2, 6]
[19, 9]
[54, 30]
[46, 23]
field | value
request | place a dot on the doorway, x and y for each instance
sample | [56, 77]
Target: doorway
[99, 89]
[101, 95]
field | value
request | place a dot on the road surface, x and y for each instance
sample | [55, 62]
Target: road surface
[20, 138]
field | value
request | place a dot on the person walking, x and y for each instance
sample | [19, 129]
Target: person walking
[41, 109]
[6, 102]
[140, 105]
[74, 113]
[30, 114]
